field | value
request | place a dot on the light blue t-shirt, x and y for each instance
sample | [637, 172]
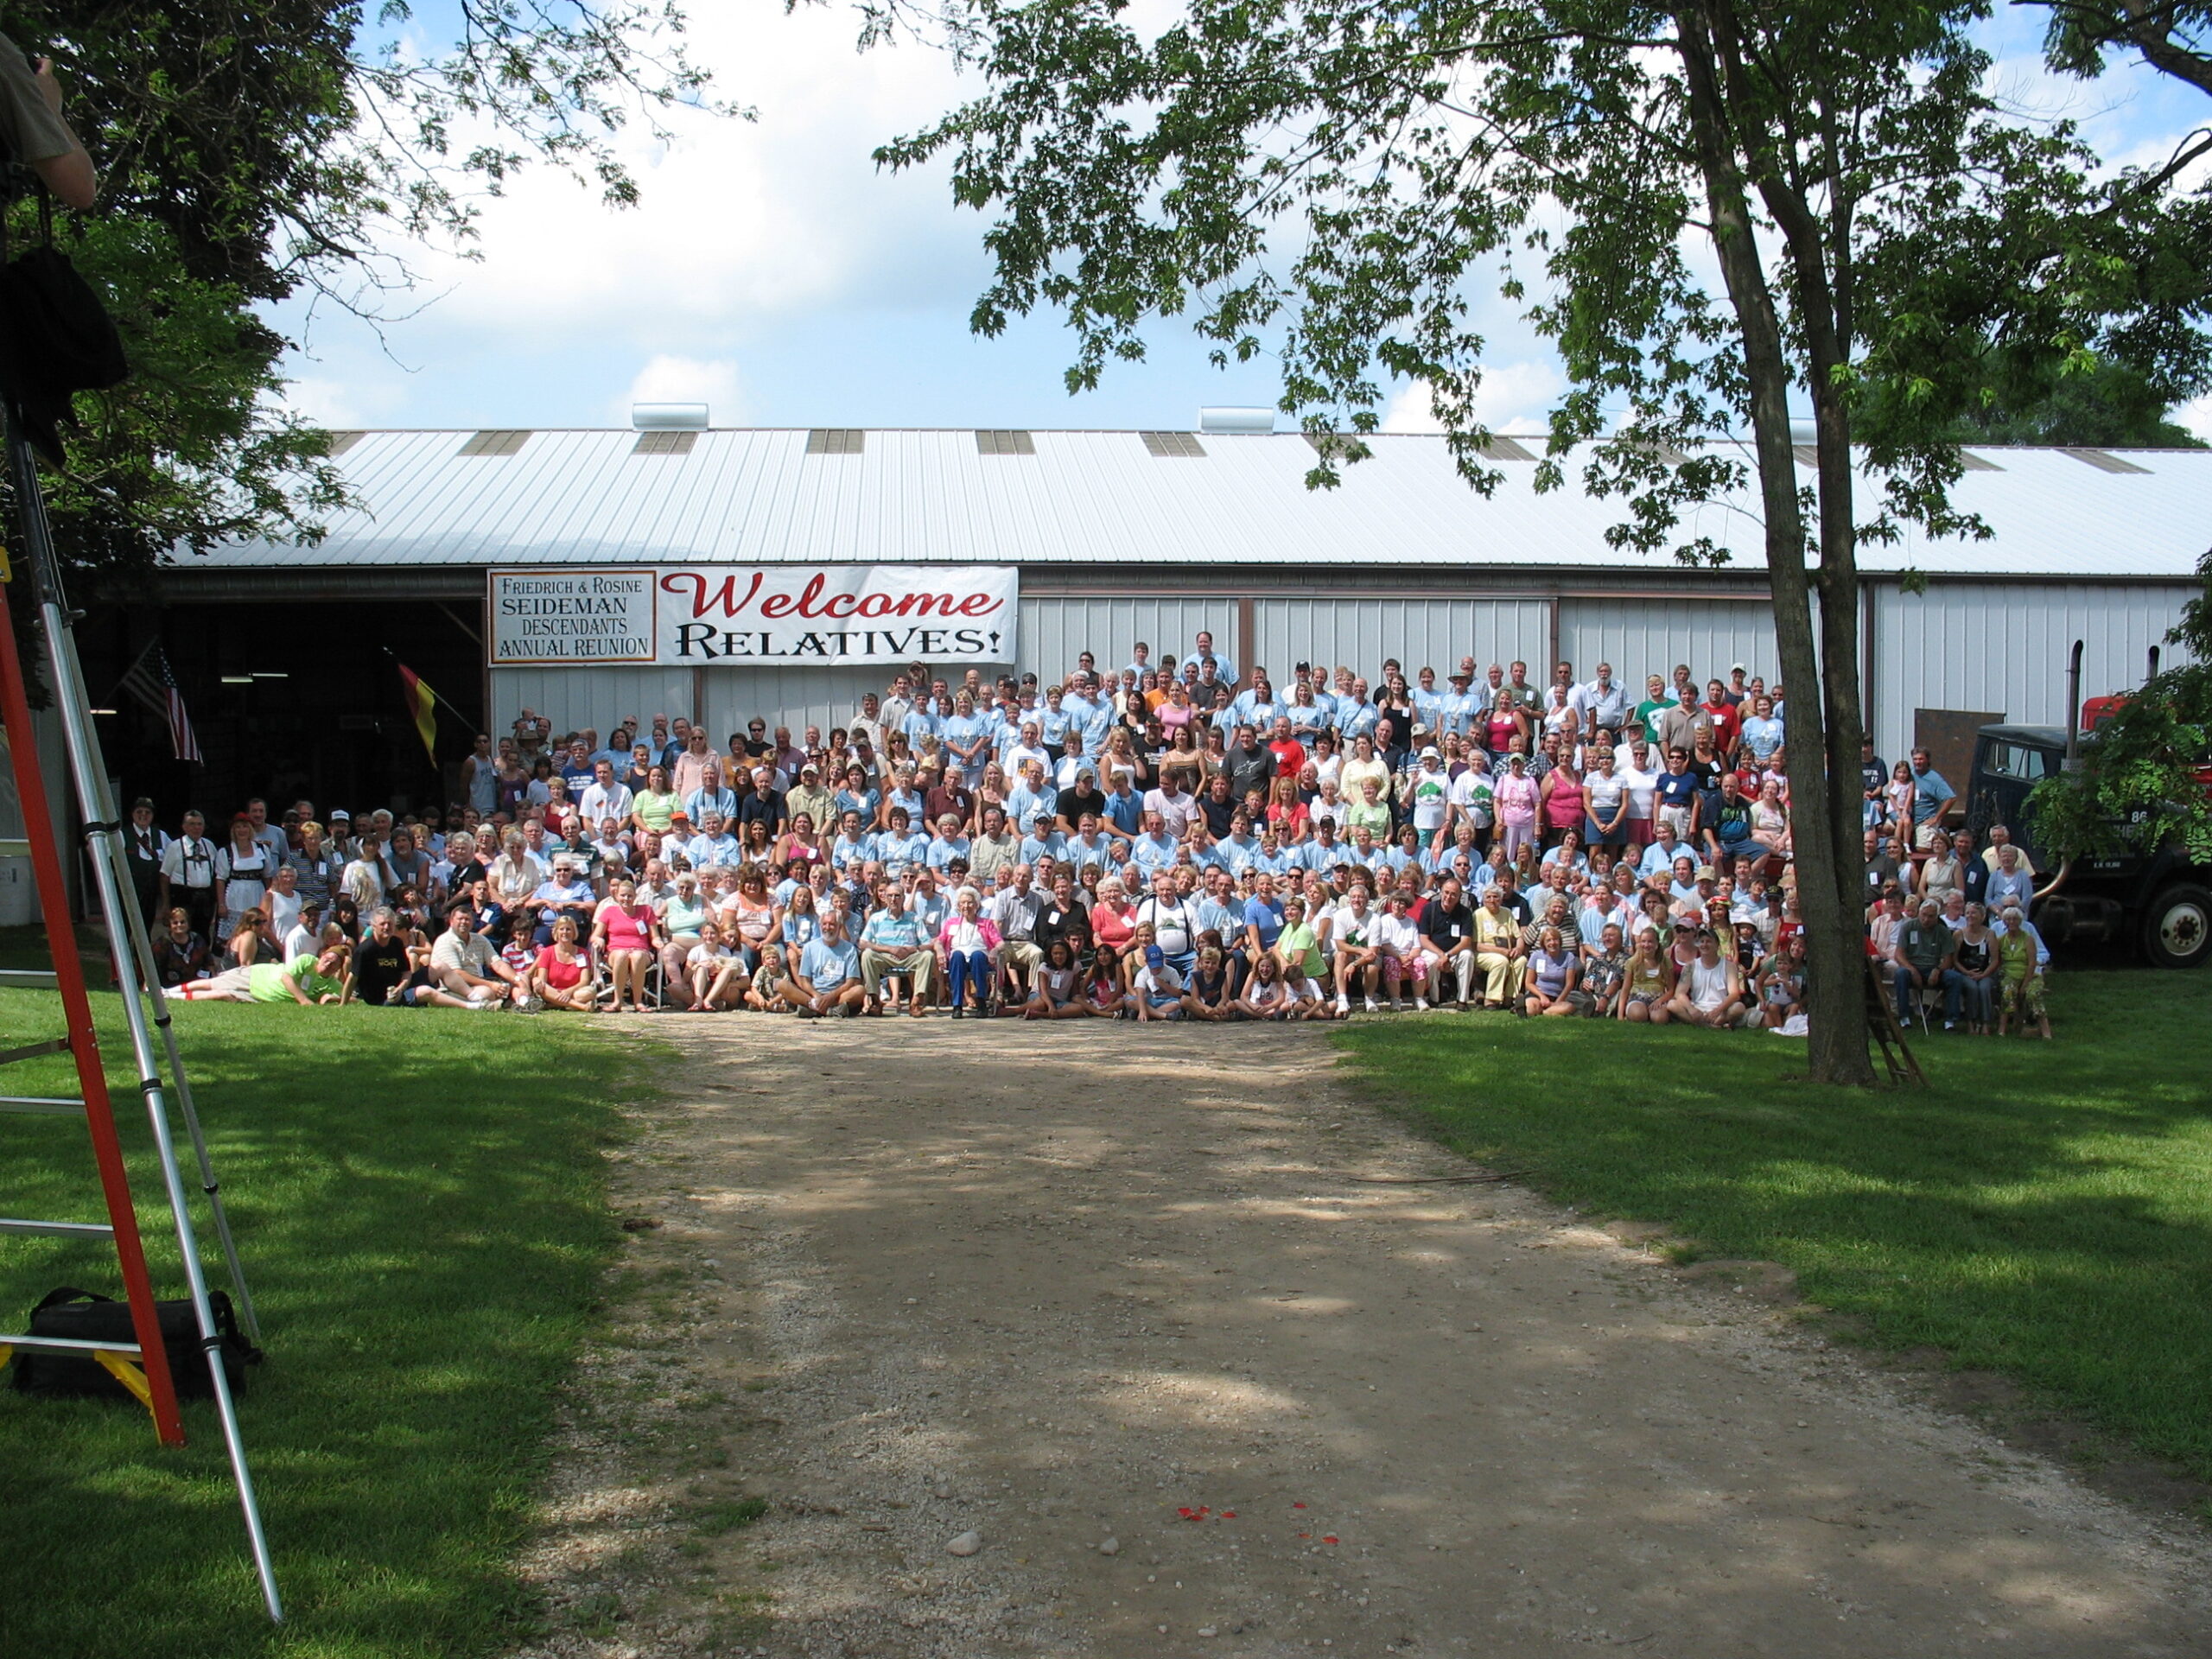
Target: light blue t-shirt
[827, 966]
[899, 931]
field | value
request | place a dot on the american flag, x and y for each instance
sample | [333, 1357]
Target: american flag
[150, 682]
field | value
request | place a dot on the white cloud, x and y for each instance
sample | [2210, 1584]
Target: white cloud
[337, 405]
[670, 380]
[2198, 417]
[1513, 398]
[739, 222]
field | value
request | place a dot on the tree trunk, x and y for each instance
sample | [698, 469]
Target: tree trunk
[1835, 937]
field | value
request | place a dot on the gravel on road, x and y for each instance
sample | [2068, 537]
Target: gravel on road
[943, 1340]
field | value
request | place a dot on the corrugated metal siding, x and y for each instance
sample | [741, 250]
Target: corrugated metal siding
[1101, 499]
[1055, 631]
[1362, 632]
[2003, 648]
[797, 697]
[1641, 637]
[573, 698]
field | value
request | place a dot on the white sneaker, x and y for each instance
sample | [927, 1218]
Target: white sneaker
[1421, 1004]
[1344, 1004]
[1371, 1008]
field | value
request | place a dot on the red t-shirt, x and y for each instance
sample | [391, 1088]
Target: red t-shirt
[559, 975]
[1290, 757]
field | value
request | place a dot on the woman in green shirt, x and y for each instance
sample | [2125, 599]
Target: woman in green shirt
[654, 806]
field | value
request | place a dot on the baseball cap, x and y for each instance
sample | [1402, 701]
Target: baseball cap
[1154, 956]
[339, 812]
[1431, 752]
[1706, 873]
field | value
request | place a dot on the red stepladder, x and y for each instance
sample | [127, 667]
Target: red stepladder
[141, 1366]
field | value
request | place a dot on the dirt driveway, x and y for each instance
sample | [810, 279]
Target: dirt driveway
[1210, 1362]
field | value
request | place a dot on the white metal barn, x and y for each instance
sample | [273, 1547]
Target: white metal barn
[1121, 537]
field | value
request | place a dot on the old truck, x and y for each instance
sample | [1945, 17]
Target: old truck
[2156, 900]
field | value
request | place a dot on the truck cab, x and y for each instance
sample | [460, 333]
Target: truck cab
[2154, 899]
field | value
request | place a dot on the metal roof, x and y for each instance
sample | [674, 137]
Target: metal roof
[767, 497]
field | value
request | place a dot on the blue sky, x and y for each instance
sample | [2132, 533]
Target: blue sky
[773, 273]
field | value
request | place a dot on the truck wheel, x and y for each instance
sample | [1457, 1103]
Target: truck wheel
[2178, 929]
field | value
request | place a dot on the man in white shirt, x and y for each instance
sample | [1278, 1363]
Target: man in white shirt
[1177, 806]
[304, 938]
[604, 797]
[465, 967]
[1029, 745]
[868, 723]
[1173, 919]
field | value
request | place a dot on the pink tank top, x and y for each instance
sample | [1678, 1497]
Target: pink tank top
[626, 929]
[1564, 809]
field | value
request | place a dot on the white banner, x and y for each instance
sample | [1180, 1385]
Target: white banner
[697, 615]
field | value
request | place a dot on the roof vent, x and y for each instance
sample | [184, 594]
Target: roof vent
[495, 443]
[1174, 446]
[834, 440]
[341, 442]
[664, 444]
[1506, 449]
[669, 418]
[1004, 443]
[2104, 460]
[1245, 422]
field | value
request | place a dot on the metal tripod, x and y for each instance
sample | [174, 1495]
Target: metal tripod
[137, 979]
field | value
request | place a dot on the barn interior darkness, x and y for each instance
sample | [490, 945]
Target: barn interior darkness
[289, 701]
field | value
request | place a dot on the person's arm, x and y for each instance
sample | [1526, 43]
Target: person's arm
[70, 175]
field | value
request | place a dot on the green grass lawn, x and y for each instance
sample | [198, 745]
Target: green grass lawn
[419, 1200]
[2039, 1210]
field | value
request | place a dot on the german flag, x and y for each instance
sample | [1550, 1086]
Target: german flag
[422, 704]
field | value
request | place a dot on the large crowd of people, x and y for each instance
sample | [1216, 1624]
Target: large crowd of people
[1161, 840]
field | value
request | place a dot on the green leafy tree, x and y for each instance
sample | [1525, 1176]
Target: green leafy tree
[2173, 36]
[2145, 778]
[248, 154]
[1327, 181]
[2115, 405]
